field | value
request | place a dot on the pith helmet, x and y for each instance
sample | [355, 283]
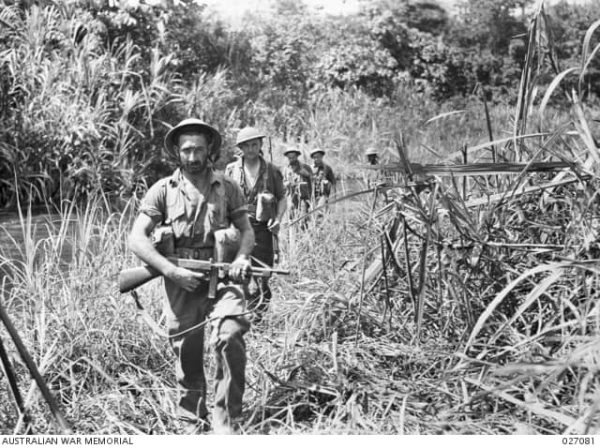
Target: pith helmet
[290, 150]
[247, 134]
[316, 151]
[371, 151]
[190, 124]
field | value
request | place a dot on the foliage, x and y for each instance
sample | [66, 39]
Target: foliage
[569, 24]
[88, 89]
[356, 59]
[488, 24]
[202, 43]
[79, 116]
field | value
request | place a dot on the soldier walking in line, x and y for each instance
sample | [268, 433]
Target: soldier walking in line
[192, 204]
[297, 178]
[372, 177]
[323, 177]
[262, 185]
[372, 155]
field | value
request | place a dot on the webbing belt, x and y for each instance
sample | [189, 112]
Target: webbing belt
[196, 253]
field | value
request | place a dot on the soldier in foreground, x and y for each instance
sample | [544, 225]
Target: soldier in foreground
[193, 203]
[323, 177]
[262, 185]
[297, 179]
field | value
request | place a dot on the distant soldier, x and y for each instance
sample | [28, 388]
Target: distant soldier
[262, 185]
[372, 155]
[323, 177]
[372, 177]
[297, 178]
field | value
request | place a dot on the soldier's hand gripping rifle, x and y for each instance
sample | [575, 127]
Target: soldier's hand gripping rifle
[131, 278]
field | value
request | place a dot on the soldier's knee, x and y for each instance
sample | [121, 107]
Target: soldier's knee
[231, 332]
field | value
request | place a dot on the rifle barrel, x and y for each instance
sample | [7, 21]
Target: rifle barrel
[203, 264]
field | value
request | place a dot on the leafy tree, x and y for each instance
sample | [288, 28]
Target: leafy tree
[356, 60]
[284, 48]
[427, 16]
[488, 24]
[201, 43]
[570, 23]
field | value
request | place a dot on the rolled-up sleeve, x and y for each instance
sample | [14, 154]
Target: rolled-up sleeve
[236, 203]
[153, 203]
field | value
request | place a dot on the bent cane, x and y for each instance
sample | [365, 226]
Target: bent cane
[14, 387]
[52, 404]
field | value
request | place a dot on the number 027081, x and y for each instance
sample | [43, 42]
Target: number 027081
[587, 440]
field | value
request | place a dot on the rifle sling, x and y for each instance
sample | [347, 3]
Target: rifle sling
[154, 326]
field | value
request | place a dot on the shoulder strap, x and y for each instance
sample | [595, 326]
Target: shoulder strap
[168, 194]
[237, 174]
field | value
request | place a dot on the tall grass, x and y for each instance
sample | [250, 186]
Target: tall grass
[79, 117]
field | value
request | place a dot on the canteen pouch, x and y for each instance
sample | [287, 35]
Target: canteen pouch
[265, 203]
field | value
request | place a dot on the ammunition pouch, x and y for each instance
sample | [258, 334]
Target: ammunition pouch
[163, 240]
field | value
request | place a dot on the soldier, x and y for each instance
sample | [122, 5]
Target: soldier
[323, 177]
[372, 177]
[297, 178]
[372, 155]
[194, 202]
[262, 185]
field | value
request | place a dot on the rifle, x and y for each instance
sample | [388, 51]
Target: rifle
[131, 278]
[275, 236]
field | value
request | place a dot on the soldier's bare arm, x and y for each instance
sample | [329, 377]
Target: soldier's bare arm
[281, 207]
[274, 224]
[240, 267]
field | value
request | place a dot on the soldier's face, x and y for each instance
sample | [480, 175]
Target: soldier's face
[372, 159]
[193, 152]
[251, 148]
[318, 159]
[292, 157]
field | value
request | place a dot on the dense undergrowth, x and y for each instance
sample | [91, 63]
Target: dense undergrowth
[88, 89]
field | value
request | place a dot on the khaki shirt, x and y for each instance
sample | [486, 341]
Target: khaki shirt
[194, 219]
[269, 180]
